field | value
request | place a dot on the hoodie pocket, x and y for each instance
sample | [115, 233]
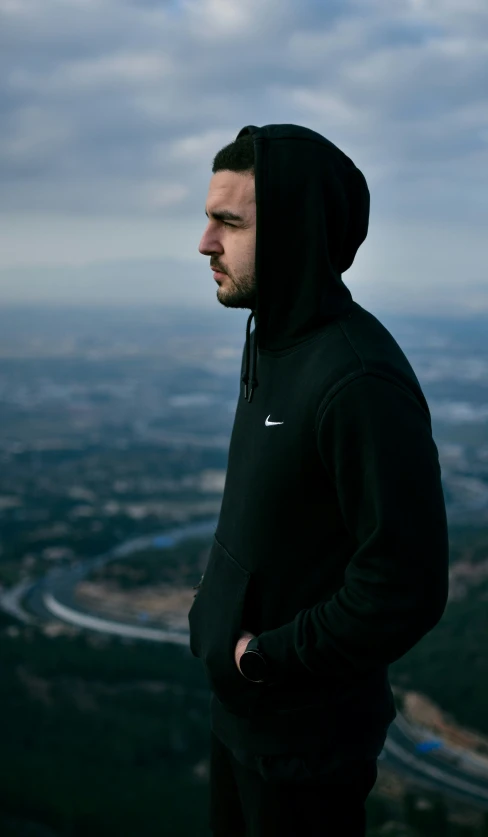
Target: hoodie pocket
[215, 620]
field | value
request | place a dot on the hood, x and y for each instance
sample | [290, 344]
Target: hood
[312, 215]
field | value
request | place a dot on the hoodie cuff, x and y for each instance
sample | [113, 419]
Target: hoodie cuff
[278, 647]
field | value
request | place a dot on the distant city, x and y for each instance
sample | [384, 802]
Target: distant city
[113, 420]
[114, 435]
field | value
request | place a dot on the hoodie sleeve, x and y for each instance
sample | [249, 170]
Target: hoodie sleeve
[375, 442]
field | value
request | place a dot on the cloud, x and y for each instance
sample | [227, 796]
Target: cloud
[116, 108]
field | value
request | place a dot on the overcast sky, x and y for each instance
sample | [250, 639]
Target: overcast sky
[112, 112]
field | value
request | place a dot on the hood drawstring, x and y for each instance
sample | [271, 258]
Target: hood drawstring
[245, 377]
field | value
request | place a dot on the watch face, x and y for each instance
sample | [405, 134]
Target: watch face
[253, 666]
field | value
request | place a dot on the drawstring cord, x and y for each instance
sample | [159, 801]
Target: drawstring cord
[245, 378]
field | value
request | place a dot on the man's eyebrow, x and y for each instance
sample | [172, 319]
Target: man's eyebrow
[225, 215]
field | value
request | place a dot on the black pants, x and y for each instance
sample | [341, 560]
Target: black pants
[286, 795]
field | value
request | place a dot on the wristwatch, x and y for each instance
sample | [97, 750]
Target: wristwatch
[253, 664]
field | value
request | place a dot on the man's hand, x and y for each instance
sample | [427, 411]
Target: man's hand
[241, 646]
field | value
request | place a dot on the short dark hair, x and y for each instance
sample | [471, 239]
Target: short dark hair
[237, 156]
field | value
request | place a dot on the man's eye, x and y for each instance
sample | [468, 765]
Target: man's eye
[226, 224]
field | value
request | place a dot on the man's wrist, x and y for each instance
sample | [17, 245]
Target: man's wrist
[253, 664]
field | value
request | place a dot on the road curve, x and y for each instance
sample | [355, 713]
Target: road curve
[454, 772]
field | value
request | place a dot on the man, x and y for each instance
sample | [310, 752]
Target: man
[330, 557]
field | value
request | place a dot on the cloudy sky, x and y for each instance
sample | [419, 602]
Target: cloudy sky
[112, 112]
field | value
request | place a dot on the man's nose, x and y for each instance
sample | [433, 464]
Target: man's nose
[206, 248]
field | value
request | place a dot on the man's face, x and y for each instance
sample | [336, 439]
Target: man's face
[230, 243]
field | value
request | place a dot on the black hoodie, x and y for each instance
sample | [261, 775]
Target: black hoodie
[332, 541]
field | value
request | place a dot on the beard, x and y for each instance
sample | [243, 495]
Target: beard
[237, 293]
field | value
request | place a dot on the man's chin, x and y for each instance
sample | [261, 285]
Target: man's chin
[234, 299]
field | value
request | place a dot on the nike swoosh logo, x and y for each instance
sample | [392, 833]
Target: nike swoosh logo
[268, 422]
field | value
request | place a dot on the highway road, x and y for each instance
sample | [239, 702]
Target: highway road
[427, 761]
